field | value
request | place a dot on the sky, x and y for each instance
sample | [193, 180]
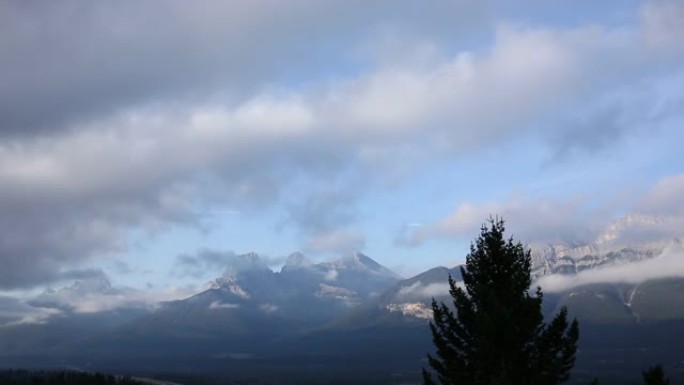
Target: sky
[148, 143]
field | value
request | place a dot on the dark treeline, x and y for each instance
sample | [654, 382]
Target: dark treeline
[27, 377]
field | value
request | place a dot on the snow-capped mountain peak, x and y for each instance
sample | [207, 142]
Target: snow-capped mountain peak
[621, 241]
[360, 261]
[615, 232]
[229, 284]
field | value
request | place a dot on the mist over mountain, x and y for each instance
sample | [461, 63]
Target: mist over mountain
[253, 318]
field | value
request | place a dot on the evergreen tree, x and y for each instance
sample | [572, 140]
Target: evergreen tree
[497, 333]
[655, 376]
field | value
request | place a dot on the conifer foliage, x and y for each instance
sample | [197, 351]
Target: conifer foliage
[495, 331]
[655, 376]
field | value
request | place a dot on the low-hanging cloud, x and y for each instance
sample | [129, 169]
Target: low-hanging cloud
[418, 290]
[14, 311]
[655, 217]
[95, 294]
[217, 262]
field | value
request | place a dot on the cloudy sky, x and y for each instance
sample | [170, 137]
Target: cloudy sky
[149, 142]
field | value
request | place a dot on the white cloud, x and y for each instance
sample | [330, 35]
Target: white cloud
[422, 291]
[542, 220]
[222, 305]
[95, 294]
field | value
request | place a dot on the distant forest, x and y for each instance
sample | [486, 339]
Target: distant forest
[26, 377]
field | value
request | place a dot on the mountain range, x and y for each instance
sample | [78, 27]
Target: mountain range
[352, 319]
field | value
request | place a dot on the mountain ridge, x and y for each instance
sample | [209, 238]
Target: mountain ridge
[254, 318]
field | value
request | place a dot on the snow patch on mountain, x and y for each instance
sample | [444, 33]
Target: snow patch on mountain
[230, 285]
[551, 263]
[632, 295]
[345, 295]
[630, 239]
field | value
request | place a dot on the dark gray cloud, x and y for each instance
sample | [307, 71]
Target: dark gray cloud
[77, 60]
[41, 241]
